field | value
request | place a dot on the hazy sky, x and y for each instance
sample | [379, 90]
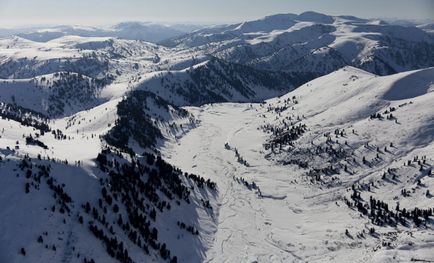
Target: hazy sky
[91, 12]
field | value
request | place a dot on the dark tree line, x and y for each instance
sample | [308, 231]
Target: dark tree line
[25, 116]
[381, 214]
[134, 187]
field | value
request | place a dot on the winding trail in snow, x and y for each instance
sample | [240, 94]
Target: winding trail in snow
[285, 227]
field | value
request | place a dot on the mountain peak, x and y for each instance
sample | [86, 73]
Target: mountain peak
[311, 16]
[268, 23]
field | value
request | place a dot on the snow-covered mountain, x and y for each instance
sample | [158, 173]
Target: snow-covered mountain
[314, 42]
[61, 93]
[151, 32]
[216, 80]
[228, 144]
[91, 56]
[250, 61]
[429, 28]
[115, 66]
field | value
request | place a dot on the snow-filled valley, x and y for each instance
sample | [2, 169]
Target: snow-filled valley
[286, 216]
[284, 139]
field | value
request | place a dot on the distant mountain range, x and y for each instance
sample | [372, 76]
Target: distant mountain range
[248, 61]
[313, 42]
[151, 32]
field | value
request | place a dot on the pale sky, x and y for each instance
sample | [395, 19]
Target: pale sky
[97, 12]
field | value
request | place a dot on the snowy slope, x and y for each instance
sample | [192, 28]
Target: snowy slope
[215, 80]
[275, 208]
[101, 57]
[338, 169]
[429, 28]
[58, 94]
[268, 206]
[79, 167]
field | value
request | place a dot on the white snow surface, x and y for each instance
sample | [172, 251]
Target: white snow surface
[290, 219]
[293, 220]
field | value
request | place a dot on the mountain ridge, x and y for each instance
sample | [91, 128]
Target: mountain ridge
[281, 139]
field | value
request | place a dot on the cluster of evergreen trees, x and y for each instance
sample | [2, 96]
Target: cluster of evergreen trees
[201, 182]
[135, 122]
[379, 116]
[380, 213]
[36, 178]
[31, 141]
[69, 89]
[133, 188]
[240, 159]
[133, 194]
[24, 116]
[242, 181]
[288, 103]
[58, 135]
[114, 248]
[217, 81]
[285, 135]
[188, 228]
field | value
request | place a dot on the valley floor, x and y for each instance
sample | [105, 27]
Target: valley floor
[285, 219]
